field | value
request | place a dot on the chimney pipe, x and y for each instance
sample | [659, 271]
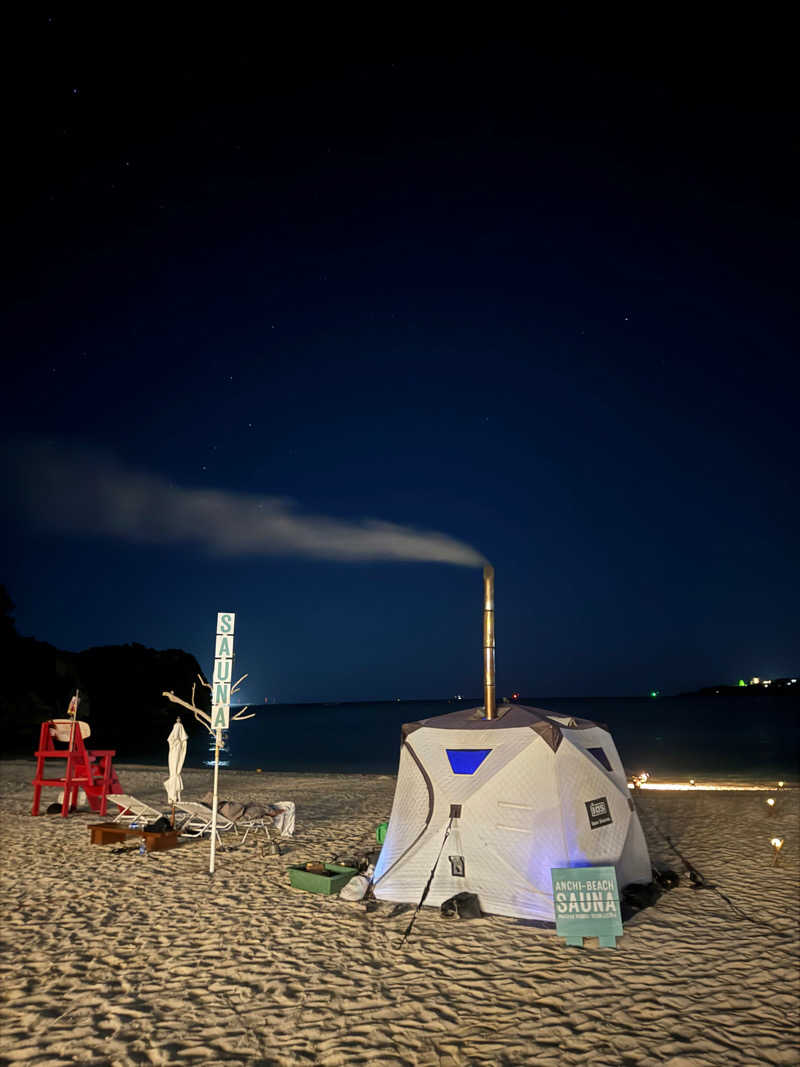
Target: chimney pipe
[488, 642]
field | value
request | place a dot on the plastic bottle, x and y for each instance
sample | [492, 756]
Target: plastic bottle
[142, 848]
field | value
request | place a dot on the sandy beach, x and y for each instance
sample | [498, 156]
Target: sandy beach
[116, 958]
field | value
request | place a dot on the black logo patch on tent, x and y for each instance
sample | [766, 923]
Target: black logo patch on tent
[598, 812]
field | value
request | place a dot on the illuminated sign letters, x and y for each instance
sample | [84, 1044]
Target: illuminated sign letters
[223, 669]
[586, 903]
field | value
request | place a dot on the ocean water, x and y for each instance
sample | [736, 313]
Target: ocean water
[747, 737]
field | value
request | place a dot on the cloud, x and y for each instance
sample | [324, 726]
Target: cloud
[81, 491]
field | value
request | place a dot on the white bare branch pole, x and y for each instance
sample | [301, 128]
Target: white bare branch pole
[236, 685]
[200, 715]
[73, 714]
[240, 714]
[215, 802]
[222, 692]
[214, 805]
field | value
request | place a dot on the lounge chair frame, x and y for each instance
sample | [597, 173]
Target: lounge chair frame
[133, 810]
[199, 818]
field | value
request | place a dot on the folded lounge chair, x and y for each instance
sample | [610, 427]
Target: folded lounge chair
[133, 810]
[261, 817]
[234, 816]
[255, 816]
[198, 819]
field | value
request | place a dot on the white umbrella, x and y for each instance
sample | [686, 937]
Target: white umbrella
[177, 754]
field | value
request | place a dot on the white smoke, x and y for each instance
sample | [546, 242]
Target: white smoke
[81, 491]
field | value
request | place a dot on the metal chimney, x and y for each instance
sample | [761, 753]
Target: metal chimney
[488, 642]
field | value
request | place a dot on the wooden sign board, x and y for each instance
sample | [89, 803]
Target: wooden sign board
[586, 902]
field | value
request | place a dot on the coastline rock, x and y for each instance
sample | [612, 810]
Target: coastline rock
[120, 690]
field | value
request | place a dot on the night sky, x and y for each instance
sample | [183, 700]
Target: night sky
[304, 323]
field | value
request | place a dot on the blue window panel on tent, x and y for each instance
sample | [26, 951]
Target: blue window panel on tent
[466, 760]
[600, 756]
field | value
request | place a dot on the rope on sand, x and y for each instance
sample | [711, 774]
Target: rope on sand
[699, 882]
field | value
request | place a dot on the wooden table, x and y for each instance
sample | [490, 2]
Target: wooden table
[112, 833]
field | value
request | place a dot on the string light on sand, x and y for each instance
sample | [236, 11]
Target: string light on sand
[705, 787]
[777, 845]
[771, 801]
[643, 780]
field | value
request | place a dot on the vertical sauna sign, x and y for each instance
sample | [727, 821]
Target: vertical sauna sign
[223, 671]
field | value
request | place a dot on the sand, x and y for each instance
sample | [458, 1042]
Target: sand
[114, 958]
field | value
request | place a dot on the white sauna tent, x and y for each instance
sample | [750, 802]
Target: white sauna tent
[531, 791]
[522, 790]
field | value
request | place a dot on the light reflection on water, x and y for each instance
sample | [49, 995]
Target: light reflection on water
[224, 751]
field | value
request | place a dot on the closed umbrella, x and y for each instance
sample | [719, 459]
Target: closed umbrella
[177, 754]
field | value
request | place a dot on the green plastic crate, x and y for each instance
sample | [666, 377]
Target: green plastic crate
[326, 884]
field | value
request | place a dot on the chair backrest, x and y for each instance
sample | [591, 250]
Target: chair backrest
[62, 729]
[135, 807]
[203, 811]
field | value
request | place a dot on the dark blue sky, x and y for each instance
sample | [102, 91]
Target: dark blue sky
[535, 297]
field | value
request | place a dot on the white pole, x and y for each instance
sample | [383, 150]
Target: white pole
[72, 711]
[217, 746]
[73, 714]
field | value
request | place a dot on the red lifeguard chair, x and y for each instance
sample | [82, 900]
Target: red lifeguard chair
[88, 769]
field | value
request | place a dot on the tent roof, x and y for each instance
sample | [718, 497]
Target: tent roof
[509, 716]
